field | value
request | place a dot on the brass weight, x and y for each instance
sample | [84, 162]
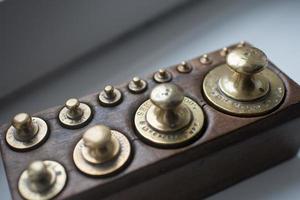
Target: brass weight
[169, 119]
[101, 151]
[26, 132]
[75, 114]
[42, 180]
[244, 86]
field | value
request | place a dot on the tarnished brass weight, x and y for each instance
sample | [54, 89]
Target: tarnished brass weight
[244, 86]
[75, 114]
[110, 96]
[137, 85]
[184, 67]
[101, 151]
[42, 180]
[162, 76]
[26, 132]
[168, 118]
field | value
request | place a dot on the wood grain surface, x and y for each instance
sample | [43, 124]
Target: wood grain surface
[230, 149]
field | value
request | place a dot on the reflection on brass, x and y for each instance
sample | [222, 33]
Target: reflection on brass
[110, 96]
[101, 151]
[244, 86]
[205, 59]
[42, 180]
[75, 114]
[168, 118]
[137, 85]
[224, 52]
[162, 76]
[184, 67]
[241, 44]
[26, 132]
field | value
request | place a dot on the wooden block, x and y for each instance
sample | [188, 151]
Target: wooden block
[230, 149]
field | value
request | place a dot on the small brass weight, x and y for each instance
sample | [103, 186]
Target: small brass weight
[26, 132]
[42, 180]
[75, 114]
[168, 118]
[101, 151]
[244, 86]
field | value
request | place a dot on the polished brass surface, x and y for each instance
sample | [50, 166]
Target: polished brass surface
[244, 83]
[110, 96]
[244, 86]
[168, 119]
[241, 44]
[224, 52]
[162, 76]
[75, 114]
[101, 151]
[42, 180]
[137, 85]
[205, 59]
[184, 67]
[26, 132]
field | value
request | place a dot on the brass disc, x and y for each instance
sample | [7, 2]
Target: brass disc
[172, 139]
[106, 168]
[75, 123]
[61, 179]
[40, 137]
[243, 108]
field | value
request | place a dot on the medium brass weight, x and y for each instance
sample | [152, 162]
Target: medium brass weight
[244, 86]
[169, 119]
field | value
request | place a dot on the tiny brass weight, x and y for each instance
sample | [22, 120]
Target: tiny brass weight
[168, 118]
[110, 96]
[244, 86]
[137, 85]
[26, 132]
[162, 76]
[75, 114]
[42, 180]
[184, 67]
[101, 151]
